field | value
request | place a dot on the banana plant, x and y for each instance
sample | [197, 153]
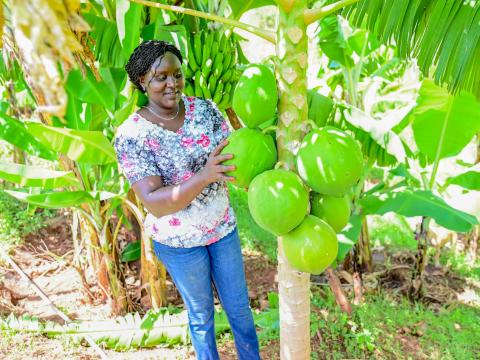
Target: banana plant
[80, 137]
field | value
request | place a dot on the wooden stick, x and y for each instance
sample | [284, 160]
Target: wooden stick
[44, 296]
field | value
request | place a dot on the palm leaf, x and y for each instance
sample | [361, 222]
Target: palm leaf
[444, 36]
[122, 333]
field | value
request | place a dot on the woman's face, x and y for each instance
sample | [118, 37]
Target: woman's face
[164, 82]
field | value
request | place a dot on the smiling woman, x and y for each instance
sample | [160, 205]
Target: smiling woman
[169, 151]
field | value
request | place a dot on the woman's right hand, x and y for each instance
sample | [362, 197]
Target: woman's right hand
[214, 170]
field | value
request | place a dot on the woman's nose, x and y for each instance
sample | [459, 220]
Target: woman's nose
[171, 81]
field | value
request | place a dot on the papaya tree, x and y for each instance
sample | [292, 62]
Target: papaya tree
[403, 21]
[419, 29]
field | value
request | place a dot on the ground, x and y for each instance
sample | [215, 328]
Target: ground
[386, 326]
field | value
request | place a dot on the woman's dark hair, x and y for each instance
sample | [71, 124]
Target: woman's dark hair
[144, 56]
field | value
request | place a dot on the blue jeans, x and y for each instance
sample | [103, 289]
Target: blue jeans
[193, 270]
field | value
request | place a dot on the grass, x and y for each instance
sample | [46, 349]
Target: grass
[459, 265]
[17, 220]
[392, 231]
[390, 329]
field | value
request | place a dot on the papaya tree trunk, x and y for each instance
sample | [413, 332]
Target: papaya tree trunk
[291, 75]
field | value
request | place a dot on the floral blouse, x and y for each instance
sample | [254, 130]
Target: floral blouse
[146, 149]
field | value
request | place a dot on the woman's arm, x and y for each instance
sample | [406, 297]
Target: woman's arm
[162, 200]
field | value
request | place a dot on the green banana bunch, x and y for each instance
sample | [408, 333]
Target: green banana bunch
[211, 71]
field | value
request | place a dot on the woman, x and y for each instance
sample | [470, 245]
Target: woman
[170, 153]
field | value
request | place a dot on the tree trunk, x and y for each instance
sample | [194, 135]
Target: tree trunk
[363, 256]
[294, 287]
[473, 245]
[152, 272]
[415, 291]
[116, 282]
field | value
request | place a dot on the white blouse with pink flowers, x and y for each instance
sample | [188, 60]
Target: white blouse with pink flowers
[146, 149]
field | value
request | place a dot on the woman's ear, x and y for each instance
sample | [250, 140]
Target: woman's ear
[142, 83]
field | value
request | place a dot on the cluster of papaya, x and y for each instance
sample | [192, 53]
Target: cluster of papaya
[320, 112]
[306, 208]
[211, 72]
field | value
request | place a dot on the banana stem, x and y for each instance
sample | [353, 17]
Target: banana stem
[265, 34]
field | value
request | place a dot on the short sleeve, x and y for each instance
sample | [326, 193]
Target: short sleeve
[220, 126]
[135, 160]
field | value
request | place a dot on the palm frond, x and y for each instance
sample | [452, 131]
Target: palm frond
[443, 35]
[122, 333]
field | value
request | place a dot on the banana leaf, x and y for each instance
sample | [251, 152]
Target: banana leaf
[61, 199]
[132, 251]
[90, 147]
[15, 132]
[26, 175]
[444, 124]
[410, 202]
[90, 90]
[129, 23]
[174, 34]
[240, 6]
[469, 180]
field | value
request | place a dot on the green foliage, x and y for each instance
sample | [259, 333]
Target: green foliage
[15, 132]
[444, 124]
[90, 147]
[35, 176]
[441, 35]
[60, 199]
[460, 264]
[17, 220]
[122, 333]
[132, 251]
[469, 180]
[129, 22]
[251, 235]
[381, 326]
[410, 202]
[392, 231]
[107, 47]
[240, 6]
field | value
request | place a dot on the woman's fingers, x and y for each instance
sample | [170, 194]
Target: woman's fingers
[219, 147]
[225, 168]
[227, 178]
[221, 158]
